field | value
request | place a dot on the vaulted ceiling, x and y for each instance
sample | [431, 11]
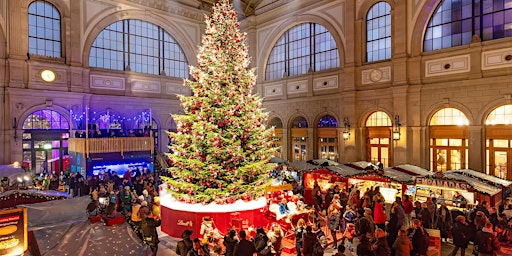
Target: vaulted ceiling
[246, 7]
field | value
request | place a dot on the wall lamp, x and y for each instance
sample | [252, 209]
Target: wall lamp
[15, 127]
[396, 128]
[346, 131]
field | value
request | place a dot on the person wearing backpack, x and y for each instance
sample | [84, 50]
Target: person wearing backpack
[486, 242]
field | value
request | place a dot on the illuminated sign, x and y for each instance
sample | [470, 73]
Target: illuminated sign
[13, 232]
[442, 183]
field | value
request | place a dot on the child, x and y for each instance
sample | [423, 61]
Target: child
[349, 234]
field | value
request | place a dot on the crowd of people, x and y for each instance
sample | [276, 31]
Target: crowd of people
[402, 229]
[340, 217]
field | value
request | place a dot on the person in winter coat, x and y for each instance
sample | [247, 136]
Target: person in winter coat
[348, 217]
[379, 217]
[365, 224]
[349, 234]
[419, 238]
[486, 242]
[392, 227]
[402, 245]
[261, 240]
[186, 244]
[425, 216]
[408, 208]
[230, 241]
[380, 247]
[244, 247]
[148, 231]
[480, 220]
[459, 233]
[333, 222]
[300, 230]
[275, 237]
[364, 248]
[309, 241]
[444, 221]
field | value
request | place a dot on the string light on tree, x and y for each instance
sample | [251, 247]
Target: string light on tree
[222, 148]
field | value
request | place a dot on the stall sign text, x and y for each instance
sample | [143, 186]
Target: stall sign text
[442, 183]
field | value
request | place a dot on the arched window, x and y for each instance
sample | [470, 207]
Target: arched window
[277, 137]
[327, 138]
[45, 120]
[378, 32]
[448, 134]
[141, 46]
[44, 36]
[498, 149]
[327, 121]
[45, 141]
[299, 139]
[378, 118]
[455, 22]
[301, 48]
[378, 131]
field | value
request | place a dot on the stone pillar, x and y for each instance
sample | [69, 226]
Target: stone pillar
[476, 149]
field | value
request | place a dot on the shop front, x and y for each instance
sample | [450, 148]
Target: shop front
[463, 188]
[393, 182]
[330, 176]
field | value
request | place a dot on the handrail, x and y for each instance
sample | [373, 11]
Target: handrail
[110, 145]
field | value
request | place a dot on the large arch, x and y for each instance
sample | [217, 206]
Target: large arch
[278, 31]
[109, 17]
[418, 30]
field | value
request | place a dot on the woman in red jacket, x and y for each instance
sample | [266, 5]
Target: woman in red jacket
[408, 208]
[379, 217]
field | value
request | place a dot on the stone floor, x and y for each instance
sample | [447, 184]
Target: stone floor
[167, 247]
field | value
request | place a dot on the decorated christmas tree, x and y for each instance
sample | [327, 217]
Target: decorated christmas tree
[222, 148]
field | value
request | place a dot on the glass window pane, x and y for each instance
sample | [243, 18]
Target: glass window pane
[298, 48]
[142, 42]
[378, 41]
[44, 29]
[466, 20]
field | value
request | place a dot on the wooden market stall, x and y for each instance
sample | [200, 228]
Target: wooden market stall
[474, 186]
[328, 177]
[392, 182]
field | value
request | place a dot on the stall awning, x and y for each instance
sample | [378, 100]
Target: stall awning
[482, 176]
[304, 166]
[346, 171]
[475, 183]
[406, 173]
[312, 164]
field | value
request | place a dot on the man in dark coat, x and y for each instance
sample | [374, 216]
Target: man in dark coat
[148, 231]
[230, 241]
[244, 247]
[185, 245]
[459, 233]
[309, 241]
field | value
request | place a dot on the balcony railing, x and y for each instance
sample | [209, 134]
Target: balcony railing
[110, 145]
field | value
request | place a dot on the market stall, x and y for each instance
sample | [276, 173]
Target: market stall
[463, 188]
[328, 177]
[392, 182]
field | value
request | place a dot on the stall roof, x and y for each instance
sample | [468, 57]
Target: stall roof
[405, 173]
[345, 171]
[475, 183]
[482, 176]
[304, 166]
